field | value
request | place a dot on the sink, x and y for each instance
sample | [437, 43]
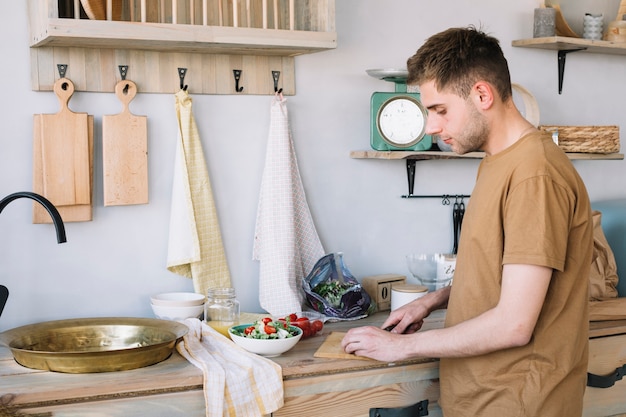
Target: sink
[93, 344]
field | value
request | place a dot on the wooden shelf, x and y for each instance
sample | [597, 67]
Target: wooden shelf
[411, 158]
[180, 38]
[208, 40]
[562, 43]
[426, 155]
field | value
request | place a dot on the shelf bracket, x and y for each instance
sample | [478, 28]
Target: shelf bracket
[562, 53]
[410, 174]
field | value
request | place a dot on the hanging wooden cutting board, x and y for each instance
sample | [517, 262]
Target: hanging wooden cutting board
[65, 152]
[125, 152]
[73, 213]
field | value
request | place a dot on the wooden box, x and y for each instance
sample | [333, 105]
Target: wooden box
[379, 288]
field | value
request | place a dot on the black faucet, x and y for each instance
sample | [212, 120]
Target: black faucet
[56, 218]
[54, 213]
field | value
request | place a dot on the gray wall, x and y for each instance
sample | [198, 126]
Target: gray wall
[111, 265]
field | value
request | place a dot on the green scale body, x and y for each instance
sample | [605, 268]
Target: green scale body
[398, 120]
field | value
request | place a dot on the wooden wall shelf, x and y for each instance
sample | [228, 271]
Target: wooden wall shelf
[561, 43]
[565, 45]
[411, 158]
[426, 155]
[156, 37]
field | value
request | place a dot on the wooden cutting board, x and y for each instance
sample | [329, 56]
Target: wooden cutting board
[64, 138]
[125, 152]
[73, 213]
[331, 348]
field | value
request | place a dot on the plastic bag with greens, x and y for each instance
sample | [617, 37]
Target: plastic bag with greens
[333, 291]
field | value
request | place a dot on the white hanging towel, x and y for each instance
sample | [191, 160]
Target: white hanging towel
[285, 241]
[195, 247]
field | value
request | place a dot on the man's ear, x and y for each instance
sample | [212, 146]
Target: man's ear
[482, 95]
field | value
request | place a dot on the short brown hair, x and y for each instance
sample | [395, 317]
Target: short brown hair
[457, 58]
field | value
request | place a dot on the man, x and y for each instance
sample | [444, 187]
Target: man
[516, 330]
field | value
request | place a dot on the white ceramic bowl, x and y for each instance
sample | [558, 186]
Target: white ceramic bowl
[264, 347]
[178, 299]
[177, 312]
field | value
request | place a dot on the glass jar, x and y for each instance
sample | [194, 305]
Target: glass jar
[221, 310]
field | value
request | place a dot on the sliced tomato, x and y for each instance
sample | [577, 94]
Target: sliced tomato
[248, 330]
[269, 329]
[266, 320]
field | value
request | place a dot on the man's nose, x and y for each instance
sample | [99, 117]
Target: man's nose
[432, 127]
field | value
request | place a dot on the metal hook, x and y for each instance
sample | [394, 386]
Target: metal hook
[445, 200]
[237, 75]
[181, 74]
[62, 70]
[276, 77]
[123, 71]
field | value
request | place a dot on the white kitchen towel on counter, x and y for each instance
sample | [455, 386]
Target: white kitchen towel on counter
[195, 247]
[236, 382]
[285, 240]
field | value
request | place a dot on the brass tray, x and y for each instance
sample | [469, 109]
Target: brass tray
[93, 344]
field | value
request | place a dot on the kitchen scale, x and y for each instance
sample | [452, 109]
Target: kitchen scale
[398, 119]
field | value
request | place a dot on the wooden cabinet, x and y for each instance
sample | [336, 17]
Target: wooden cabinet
[210, 38]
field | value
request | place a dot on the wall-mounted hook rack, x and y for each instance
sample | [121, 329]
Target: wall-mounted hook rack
[237, 75]
[181, 75]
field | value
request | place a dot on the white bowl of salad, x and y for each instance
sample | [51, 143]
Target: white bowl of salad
[266, 337]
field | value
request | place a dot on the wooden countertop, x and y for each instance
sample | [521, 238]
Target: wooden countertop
[34, 388]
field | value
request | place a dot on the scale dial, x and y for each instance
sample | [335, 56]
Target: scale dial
[401, 121]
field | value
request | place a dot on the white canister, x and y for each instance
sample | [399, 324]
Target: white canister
[593, 26]
[402, 294]
[446, 264]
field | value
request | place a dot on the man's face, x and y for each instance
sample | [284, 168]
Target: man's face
[454, 119]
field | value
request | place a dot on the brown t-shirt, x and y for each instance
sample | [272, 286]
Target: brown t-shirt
[529, 206]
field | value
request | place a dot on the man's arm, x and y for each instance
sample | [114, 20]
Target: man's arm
[508, 324]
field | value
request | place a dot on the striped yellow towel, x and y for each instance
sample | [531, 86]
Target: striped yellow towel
[195, 247]
[236, 382]
[285, 240]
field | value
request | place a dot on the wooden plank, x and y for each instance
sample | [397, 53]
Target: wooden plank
[156, 72]
[183, 404]
[557, 43]
[607, 328]
[423, 155]
[356, 403]
[196, 38]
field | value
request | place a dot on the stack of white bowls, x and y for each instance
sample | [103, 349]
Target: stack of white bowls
[178, 305]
